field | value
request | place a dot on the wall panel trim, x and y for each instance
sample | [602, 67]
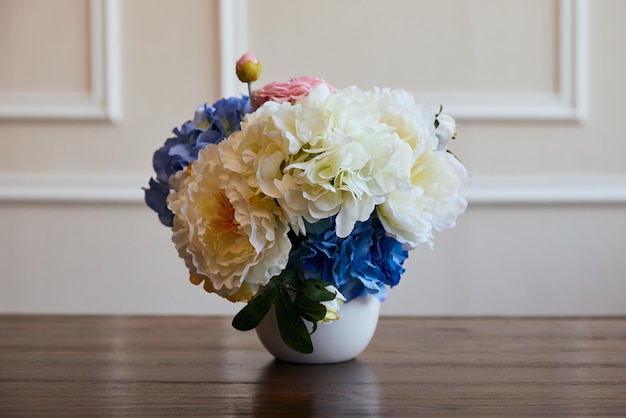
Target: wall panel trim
[547, 190]
[487, 190]
[103, 101]
[568, 103]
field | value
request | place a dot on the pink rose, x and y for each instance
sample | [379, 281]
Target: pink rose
[291, 91]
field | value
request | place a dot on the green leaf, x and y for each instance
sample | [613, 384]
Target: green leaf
[309, 309]
[437, 115]
[309, 297]
[289, 277]
[316, 290]
[290, 324]
[251, 315]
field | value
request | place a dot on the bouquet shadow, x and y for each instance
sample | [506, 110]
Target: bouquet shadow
[349, 388]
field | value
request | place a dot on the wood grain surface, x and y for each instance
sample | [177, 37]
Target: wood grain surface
[157, 366]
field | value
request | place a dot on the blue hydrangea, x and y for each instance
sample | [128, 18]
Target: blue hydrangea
[210, 125]
[364, 263]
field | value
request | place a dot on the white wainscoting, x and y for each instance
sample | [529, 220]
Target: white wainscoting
[568, 103]
[103, 100]
[480, 191]
[78, 238]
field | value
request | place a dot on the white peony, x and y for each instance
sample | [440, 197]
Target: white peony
[433, 200]
[232, 238]
[442, 181]
[433, 203]
[328, 154]
[349, 153]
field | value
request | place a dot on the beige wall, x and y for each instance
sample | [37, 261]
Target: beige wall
[539, 129]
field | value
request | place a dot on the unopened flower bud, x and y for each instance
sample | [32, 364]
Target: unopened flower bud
[445, 131]
[248, 68]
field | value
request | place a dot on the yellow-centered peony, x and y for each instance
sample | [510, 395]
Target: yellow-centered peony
[229, 236]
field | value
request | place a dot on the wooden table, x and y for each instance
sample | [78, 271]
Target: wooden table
[199, 366]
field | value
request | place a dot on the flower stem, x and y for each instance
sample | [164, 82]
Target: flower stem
[252, 102]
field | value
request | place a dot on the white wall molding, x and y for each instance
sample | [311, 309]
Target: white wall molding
[488, 190]
[103, 101]
[233, 43]
[546, 190]
[568, 103]
[67, 188]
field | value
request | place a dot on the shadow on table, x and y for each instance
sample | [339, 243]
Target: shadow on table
[287, 389]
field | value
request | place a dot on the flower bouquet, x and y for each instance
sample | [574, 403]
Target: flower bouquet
[301, 197]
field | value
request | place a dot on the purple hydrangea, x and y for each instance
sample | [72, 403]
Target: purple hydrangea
[364, 263]
[210, 125]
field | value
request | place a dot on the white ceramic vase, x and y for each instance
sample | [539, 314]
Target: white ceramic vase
[333, 342]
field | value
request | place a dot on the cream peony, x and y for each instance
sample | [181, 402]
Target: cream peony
[432, 201]
[442, 181]
[328, 154]
[230, 237]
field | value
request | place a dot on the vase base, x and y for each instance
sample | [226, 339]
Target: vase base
[333, 342]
